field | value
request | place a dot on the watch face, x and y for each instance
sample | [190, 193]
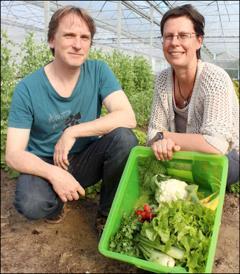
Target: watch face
[159, 136]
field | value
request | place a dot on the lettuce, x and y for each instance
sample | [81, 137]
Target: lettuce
[181, 225]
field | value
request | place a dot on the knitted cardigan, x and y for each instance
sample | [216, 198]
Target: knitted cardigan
[213, 108]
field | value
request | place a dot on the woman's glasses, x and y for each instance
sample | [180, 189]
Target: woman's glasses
[182, 37]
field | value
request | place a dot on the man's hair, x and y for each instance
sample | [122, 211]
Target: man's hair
[190, 12]
[60, 13]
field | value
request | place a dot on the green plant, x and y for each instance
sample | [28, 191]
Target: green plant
[8, 81]
[92, 191]
[136, 78]
[141, 136]
[33, 56]
[141, 98]
[235, 188]
[236, 87]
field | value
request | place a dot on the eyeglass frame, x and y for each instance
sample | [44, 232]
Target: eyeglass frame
[171, 37]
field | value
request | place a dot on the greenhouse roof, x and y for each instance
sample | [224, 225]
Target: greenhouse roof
[133, 26]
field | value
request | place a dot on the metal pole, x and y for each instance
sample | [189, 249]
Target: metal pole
[152, 60]
[119, 24]
[46, 17]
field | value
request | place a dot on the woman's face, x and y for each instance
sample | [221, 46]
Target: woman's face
[180, 51]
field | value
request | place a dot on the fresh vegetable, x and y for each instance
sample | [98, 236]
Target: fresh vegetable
[146, 214]
[170, 190]
[211, 201]
[187, 226]
[172, 251]
[158, 257]
[182, 230]
[170, 226]
[212, 204]
[208, 198]
[148, 168]
[123, 240]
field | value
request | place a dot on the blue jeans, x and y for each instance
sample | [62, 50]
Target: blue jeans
[233, 167]
[104, 159]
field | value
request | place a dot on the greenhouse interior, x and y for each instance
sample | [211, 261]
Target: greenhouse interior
[134, 27]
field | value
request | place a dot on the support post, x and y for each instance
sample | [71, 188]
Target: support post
[119, 24]
[46, 17]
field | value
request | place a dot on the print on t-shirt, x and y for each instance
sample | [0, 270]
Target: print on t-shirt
[72, 120]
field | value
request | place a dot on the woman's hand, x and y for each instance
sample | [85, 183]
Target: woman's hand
[163, 149]
[62, 149]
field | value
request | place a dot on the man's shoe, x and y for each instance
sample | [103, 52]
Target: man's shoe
[59, 218]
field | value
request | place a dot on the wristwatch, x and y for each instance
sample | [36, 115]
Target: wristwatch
[158, 136]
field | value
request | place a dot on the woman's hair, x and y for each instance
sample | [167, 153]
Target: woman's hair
[188, 11]
[60, 13]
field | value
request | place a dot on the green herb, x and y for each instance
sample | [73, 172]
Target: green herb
[124, 240]
[147, 168]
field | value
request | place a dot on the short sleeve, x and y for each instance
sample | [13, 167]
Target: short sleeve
[108, 81]
[20, 114]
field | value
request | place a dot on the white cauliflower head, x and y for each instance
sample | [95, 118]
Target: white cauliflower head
[171, 190]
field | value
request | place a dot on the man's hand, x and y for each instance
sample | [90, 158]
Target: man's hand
[65, 185]
[163, 149]
[62, 149]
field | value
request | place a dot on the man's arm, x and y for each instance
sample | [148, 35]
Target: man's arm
[25, 162]
[21, 160]
[120, 115]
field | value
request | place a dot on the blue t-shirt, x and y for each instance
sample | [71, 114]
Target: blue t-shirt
[37, 106]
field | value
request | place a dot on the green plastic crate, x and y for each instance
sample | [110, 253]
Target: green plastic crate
[207, 170]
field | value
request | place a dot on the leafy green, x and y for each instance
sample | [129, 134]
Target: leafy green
[187, 226]
[124, 240]
[147, 168]
[179, 233]
[192, 193]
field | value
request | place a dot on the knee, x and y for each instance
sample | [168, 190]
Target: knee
[31, 202]
[233, 167]
[29, 208]
[124, 139]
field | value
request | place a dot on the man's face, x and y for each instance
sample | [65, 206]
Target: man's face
[71, 41]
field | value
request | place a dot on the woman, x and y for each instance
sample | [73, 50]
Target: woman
[195, 107]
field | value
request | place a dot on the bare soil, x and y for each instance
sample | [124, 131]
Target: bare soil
[72, 246]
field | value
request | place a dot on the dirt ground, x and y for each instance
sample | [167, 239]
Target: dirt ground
[71, 246]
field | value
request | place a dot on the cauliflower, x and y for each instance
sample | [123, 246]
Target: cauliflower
[171, 190]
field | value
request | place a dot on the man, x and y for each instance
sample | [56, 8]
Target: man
[56, 138]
